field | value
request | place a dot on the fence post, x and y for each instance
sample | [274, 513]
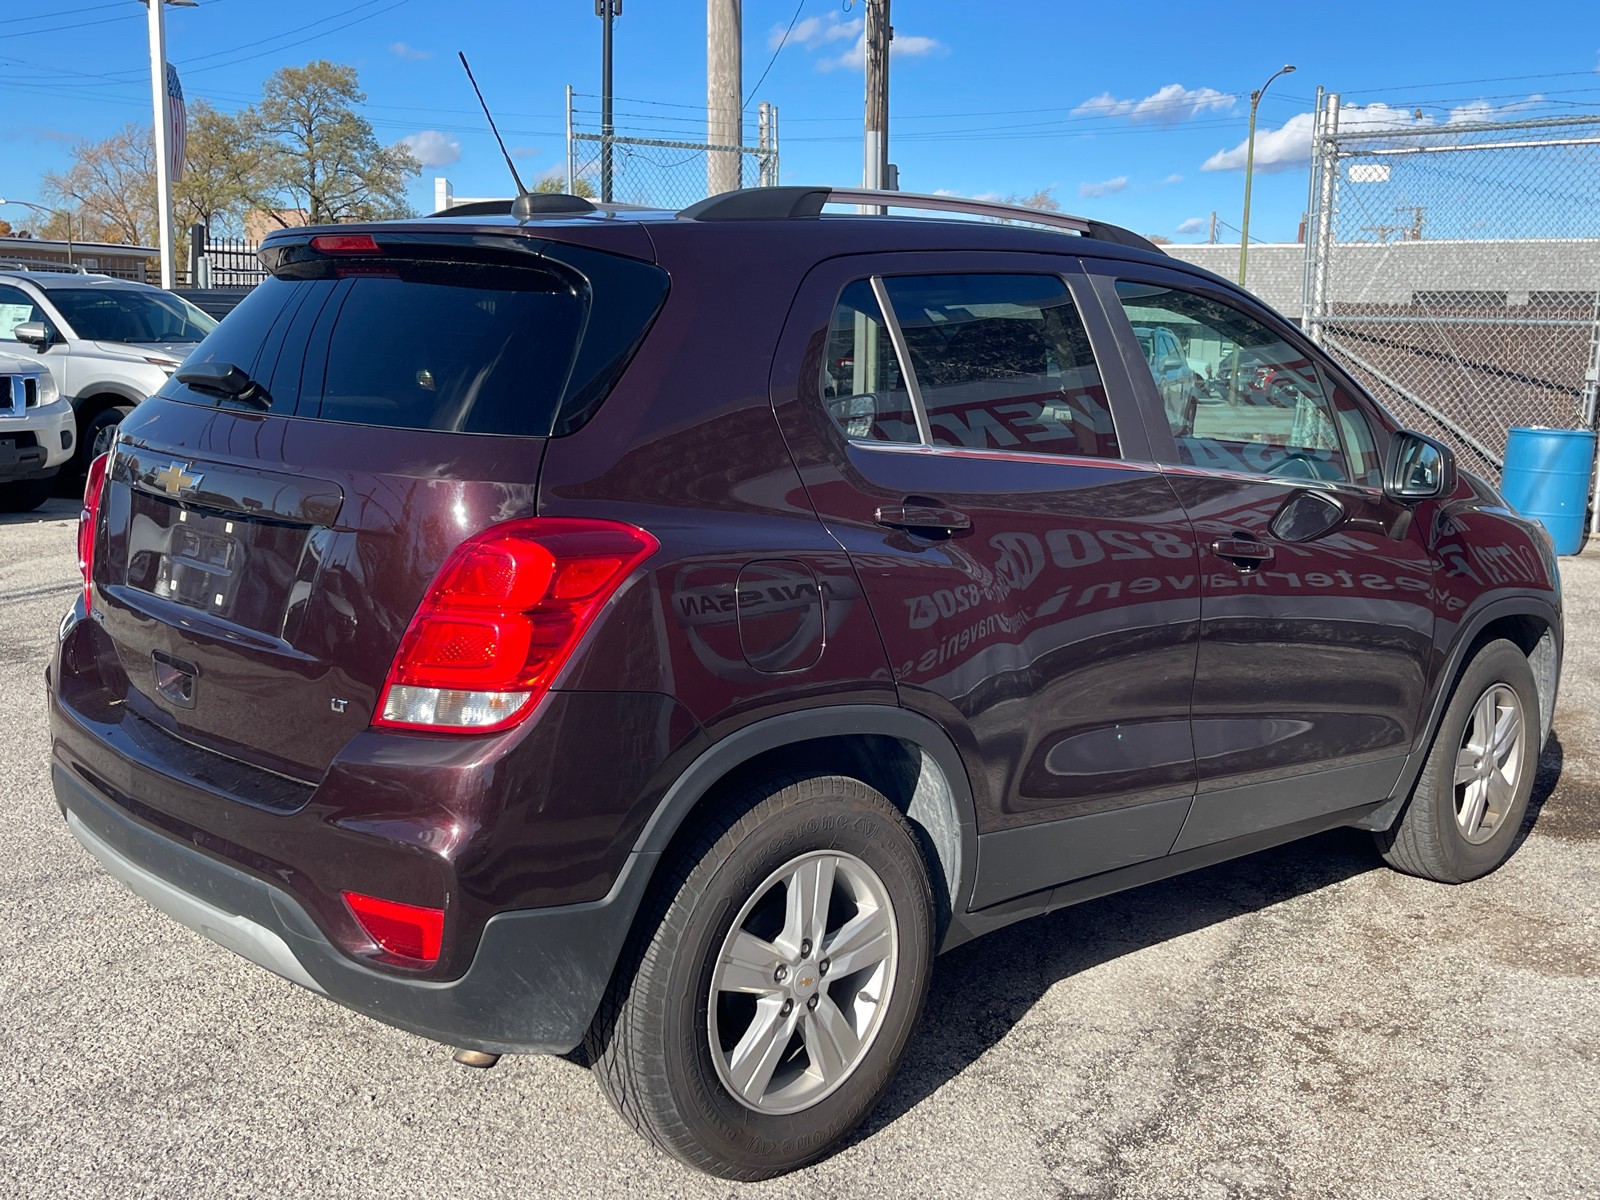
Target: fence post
[1328, 160]
[1308, 256]
[197, 247]
[1591, 403]
[570, 192]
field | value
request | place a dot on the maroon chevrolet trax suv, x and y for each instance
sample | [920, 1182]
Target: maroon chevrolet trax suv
[664, 633]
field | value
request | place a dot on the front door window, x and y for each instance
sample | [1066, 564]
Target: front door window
[1237, 395]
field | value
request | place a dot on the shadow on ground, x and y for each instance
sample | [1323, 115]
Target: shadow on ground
[55, 509]
[981, 990]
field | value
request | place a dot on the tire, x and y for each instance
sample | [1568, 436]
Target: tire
[97, 434]
[724, 916]
[1462, 824]
[25, 495]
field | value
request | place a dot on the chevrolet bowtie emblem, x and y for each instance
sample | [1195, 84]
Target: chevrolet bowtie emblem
[173, 480]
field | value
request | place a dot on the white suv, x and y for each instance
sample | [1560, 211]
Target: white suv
[36, 433]
[107, 343]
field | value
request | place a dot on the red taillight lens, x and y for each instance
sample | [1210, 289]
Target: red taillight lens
[93, 486]
[502, 616]
[345, 243]
[407, 931]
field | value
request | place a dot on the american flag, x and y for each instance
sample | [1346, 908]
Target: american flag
[178, 134]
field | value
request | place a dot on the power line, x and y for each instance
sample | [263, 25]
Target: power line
[784, 41]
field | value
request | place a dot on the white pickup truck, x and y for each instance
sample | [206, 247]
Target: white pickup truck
[107, 343]
[37, 432]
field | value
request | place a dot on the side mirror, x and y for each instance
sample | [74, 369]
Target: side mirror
[35, 333]
[1418, 468]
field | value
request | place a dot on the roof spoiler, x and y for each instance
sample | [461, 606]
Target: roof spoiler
[791, 203]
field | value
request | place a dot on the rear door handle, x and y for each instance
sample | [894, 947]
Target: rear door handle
[1241, 552]
[916, 518]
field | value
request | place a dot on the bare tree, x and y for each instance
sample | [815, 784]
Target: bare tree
[109, 192]
[320, 155]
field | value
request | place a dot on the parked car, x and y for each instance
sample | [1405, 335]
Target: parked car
[107, 343]
[665, 633]
[35, 433]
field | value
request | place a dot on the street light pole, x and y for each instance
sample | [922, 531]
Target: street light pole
[606, 10]
[1249, 169]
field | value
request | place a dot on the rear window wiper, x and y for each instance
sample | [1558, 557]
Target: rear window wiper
[225, 380]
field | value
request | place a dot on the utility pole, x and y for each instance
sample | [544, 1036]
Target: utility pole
[1417, 219]
[606, 10]
[724, 93]
[1249, 169]
[1213, 240]
[875, 174]
[163, 130]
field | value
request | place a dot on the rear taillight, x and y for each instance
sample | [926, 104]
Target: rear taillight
[406, 931]
[501, 617]
[93, 486]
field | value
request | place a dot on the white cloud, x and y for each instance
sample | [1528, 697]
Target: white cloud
[529, 152]
[816, 32]
[1108, 187]
[1170, 105]
[1173, 179]
[410, 53]
[1192, 225]
[432, 148]
[1289, 146]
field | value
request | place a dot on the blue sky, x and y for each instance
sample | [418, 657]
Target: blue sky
[1132, 115]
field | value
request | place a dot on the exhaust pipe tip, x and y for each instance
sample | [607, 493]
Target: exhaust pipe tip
[476, 1058]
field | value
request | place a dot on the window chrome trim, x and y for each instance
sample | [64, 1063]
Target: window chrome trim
[902, 351]
[1329, 485]
[1037, 456]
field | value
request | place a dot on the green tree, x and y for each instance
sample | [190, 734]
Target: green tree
[219, 174]
[319, 155]
[558, 183]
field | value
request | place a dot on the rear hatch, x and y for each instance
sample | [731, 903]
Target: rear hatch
[267, 537]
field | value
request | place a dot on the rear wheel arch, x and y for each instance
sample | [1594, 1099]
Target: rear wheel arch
[901, 754]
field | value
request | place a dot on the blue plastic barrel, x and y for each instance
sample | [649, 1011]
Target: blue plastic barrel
[1546, 477]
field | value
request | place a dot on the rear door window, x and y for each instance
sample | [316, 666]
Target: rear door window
[1003, 362]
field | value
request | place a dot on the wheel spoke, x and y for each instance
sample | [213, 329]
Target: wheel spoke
[830, 1042]
[1466, 765]
[1497, 793]
[748, 964]
[1472, 807]
[753, 1060]
[810, 891]
[1483, 722]
[863, 941]
[1505, 734]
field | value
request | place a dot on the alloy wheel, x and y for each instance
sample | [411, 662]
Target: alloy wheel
[802, 982]
[1489, 764]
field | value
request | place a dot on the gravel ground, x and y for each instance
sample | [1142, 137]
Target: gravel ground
[1301, 1023]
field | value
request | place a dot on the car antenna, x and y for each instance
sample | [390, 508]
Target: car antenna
[522, 206]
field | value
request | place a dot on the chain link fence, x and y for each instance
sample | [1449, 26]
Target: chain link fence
[651, 167]
[1455, 269]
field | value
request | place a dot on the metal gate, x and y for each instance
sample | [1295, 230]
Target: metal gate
[1454, 267]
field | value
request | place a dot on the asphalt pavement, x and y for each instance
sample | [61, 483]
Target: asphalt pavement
[1300, 1023]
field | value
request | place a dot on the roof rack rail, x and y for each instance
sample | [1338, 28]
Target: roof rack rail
[786, 203]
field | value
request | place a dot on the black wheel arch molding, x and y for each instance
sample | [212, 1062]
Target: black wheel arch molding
[1544, 657]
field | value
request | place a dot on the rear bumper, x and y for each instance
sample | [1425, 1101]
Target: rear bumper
[533, 985]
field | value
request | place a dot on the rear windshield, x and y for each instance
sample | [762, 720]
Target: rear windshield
[125, 314]
[465, 347]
